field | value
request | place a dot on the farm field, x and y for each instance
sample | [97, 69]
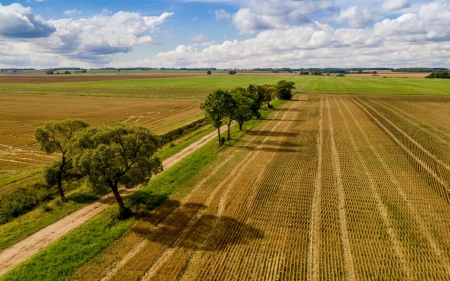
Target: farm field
[20, 114]
[329, 187]
[197, 86]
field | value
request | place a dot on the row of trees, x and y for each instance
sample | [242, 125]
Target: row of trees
[242, 104]
[108, 156]
[440, 74]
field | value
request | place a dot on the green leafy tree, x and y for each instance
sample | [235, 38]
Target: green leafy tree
[56, 136]
[243, 107]
[270, 93]
[117, 155]
[217, 106]
[261, 94]
[284, 89]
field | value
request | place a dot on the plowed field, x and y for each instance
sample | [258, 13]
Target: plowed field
[328, 188]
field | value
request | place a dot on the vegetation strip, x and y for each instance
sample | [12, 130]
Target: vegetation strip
[161, 223]
[348, 259]
[166, 255]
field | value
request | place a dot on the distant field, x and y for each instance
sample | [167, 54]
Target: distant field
[21, 114]
[197, 86]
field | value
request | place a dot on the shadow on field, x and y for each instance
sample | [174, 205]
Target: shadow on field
[186, 225]
[278, 147]
[271, 134]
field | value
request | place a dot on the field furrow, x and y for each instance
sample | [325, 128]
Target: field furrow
[344, 236]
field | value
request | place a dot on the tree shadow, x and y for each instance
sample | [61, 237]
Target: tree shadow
[279, 147]
[188, 226]
[271, 134]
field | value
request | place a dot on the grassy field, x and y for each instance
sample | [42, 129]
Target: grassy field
[199, 86]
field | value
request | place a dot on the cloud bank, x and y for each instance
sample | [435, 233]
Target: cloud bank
[410, 39]
[26, 37]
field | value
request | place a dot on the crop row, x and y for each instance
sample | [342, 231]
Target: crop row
[418, 251]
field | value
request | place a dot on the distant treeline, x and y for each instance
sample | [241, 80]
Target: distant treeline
[417, 69]
[440, 74]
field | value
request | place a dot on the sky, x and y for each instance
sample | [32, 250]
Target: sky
[224, 33]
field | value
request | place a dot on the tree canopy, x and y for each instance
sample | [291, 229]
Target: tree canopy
[440, 74]
[56, 136]
[117, 155]
[217, 106]
[284, 89]
[243, 108]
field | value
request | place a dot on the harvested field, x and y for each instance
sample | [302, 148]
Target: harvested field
[328, 188]
[21, 114]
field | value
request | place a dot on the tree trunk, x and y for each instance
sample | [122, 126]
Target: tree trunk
[124, 213]
[59, 178]
[218, 133]
[229, 134]
[115, 190]
[240, 126]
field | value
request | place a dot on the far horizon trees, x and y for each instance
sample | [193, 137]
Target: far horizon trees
[55, 136]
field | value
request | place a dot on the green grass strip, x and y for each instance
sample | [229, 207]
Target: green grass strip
[62, 258]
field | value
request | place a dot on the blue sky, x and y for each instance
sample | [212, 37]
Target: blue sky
[225, 33]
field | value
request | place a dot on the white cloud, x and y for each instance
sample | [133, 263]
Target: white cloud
[258, 15]
[17, 21]
[357, 16]
[222, 14]
[200, 38]
[394, 5]
[409, 40]
[93, 41]
[72, 12]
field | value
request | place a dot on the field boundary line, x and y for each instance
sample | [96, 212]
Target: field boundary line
[409, 152]
[314, 231]
[393, 179]
[393, 237]
[345, 243]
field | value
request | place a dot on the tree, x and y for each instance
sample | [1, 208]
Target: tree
[270, 93]
[117, 155]
[243, 110]
[260, 94]
[55, 136]
[232, 72]
[217, 106]
[284, 89]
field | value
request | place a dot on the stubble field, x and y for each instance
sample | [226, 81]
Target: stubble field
[328, 188]
[20, 114]
[344, 182]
